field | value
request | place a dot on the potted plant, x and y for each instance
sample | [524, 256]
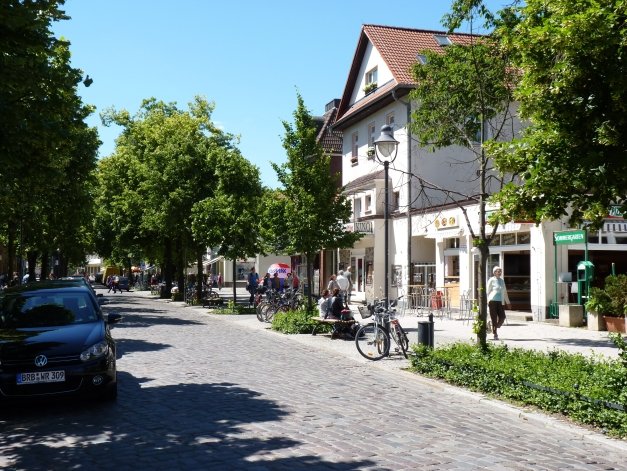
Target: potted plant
[369, 88]
[597, 305]
[616, 289]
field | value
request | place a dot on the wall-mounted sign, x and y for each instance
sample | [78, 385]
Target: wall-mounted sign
[446, 222]
[569, 237]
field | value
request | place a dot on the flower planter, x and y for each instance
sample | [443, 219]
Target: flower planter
[596, 321]
[615, 324]
[570, 315]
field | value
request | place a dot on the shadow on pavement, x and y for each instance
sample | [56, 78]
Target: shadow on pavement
[185, 426]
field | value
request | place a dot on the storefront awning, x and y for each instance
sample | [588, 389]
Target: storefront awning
[212, 261]
[445, 233]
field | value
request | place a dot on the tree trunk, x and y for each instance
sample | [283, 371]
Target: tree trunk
[11, 254]
[484, 250]
[182, 266]
[45, 265]
[234, 282]
[199, 276]
[167, 267]
[32, 263]
[309, 266]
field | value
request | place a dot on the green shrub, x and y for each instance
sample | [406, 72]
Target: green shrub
[299, 321]
[616, 289]
[588, 390]
[233, 308]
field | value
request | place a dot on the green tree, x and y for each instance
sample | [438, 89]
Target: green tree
[314, 208]
[230, 219]
[572, 55]
[163, 165]
[464, 96]
[46, 150]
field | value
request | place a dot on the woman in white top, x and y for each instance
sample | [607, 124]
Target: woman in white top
[497, 297]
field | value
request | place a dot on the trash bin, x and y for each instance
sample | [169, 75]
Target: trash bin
[425, 333]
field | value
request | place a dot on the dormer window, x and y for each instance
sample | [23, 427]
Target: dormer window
[371, 76]
[442, 40]
[371, 81]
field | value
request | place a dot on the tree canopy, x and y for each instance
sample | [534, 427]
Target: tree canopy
[47, 152]
[572, 158]
[313, 211]
[463, 97]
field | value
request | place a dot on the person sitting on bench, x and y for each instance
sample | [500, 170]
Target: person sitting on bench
[324, 304]
[338, 311]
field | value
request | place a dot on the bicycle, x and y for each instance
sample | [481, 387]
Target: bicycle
[373, 339]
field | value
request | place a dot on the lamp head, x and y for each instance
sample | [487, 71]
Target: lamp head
[385, 145]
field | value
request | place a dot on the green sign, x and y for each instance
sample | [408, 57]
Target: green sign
[569, 237]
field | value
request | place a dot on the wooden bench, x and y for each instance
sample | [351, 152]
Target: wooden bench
[332, 322]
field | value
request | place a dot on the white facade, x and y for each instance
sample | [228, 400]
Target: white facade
[430, 242]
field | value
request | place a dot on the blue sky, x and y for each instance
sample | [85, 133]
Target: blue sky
[249, 57]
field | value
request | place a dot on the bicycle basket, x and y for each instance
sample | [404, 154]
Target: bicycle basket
[365, 311]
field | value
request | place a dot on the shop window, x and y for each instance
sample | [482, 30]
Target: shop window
[508, 239]
[452, 243]
[524, 237]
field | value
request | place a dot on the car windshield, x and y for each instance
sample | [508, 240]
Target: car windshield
[25, 310]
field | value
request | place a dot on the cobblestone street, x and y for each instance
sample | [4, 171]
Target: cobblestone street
[199, 391]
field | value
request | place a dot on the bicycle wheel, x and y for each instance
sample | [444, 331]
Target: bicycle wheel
[401, 339]
[373, 342]
[259, 310]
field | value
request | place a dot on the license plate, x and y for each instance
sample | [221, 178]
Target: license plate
[41, 377]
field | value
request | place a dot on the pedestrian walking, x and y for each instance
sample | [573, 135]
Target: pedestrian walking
[342, 282]
[252, 283]
[349, 291]
[497, 297]
[276, 282]
[332, 284]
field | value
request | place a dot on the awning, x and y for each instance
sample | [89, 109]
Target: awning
[212, 261]
[445, 233]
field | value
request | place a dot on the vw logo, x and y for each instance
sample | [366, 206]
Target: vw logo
[41, 360]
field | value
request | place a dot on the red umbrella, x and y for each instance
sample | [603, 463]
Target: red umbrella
[281, 268]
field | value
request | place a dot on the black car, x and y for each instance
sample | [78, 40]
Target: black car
[55, 341]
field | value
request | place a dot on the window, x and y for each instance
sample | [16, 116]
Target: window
[442, 40]
[371, 137]
[508, 239]
[396, 199]
[524, 237]
[452, 243]
[389, 119]
[421, 58]
[371, 76]
[357, 208]
[355, 147]
[368, 204]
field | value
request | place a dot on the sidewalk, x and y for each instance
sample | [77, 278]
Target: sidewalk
[539, 336]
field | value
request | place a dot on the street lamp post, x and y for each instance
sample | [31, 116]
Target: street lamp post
[386, 148]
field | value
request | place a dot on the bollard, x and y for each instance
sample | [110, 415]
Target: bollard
[431, 331]
[424, 334]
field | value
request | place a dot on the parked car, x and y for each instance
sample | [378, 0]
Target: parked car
[124, 284]
[55, 341]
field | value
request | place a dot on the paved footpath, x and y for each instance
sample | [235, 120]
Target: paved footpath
[204, 391]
